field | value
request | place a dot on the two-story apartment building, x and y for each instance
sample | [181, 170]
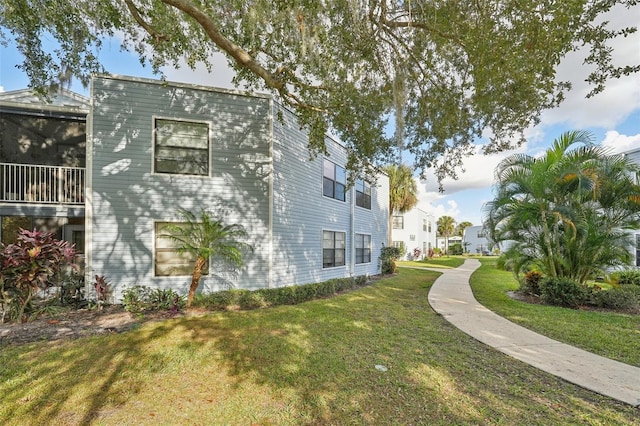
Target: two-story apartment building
[154, 147]
[415, 229]
[42, 164]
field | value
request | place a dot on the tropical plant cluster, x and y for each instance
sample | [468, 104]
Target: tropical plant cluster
[624, 295]
[568, 213]
[269, 297]
[139, 299]
[33, 264]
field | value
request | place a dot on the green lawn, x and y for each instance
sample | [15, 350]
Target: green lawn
[313, 363]
[613, 335]
[445, 262]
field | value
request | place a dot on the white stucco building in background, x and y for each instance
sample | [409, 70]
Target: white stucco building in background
[415, 229]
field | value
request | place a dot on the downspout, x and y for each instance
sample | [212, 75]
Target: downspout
[88, 197]
[352, 256]
[270, 195]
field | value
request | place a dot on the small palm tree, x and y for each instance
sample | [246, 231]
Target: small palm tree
[446, 228]
[207, 238]
[402, 191]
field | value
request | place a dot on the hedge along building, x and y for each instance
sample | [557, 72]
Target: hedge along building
[155, 147]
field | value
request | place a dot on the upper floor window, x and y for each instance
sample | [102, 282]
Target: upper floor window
[482, 234]
[181, 147]
[398, 222]
[424, 225]
[334, 180]
[333, 249]
[363, 248]
[363, 194]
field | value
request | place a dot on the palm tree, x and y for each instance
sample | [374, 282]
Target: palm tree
[568, 210]
[446, 228]
[402, 192]
[204, 239]
[461, 227]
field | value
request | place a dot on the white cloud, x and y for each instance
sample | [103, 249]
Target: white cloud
[620, 143]
[477, 172]
[220, 76]
[621, 96]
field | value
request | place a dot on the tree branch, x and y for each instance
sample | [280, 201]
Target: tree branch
[138, 18]
[242, 57]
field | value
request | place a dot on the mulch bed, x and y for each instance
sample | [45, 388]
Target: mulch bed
[75, 323]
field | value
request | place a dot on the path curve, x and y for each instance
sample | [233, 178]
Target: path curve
[451, 297]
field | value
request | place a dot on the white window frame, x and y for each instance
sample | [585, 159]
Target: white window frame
[363, 194]
[363, 246]
[330, 171]
[397, 222]
[154, 165]
[334, 264]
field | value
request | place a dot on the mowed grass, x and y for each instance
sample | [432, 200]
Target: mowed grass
[610, 334]
[313, 363]
[444, 262]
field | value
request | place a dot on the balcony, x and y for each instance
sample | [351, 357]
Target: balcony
[33, 184]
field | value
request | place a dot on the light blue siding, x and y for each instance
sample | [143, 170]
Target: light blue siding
[128, 198]
[260, 172]
[301, 212]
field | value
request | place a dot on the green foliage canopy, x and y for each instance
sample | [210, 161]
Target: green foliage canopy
[569, 212]
[443, 72]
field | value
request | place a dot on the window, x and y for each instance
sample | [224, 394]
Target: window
[334, 180]
[424, 225]
[363, 248]
[482, 234]
[363, 194]
[398, 222]
[429, 230]
[412, 237]
[168, 261]
[333, 249]
[637, 249]
[181, 147]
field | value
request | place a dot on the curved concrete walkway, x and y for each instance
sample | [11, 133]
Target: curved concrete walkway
[451, 297]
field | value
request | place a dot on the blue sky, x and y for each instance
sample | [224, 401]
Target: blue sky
[613, 116]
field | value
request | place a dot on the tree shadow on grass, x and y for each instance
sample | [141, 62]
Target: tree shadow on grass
[313, 363]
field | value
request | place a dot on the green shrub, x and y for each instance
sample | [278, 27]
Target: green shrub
[563, 292]
[455, 249]
[627, 276]
[265, 297]
[136, 299]
[139, 299]
[531, 284]
[623, 298]
[166, 299]
[219, 300]
[388, 257]
[250, 299]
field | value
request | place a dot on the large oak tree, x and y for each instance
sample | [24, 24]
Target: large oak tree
[443, 72]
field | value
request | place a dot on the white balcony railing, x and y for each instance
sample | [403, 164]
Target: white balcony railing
[26, 183]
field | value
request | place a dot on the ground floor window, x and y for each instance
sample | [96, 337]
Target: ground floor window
[363, 248]
[168, 262]
[333, 249]
[11, 225]
[637, 249]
